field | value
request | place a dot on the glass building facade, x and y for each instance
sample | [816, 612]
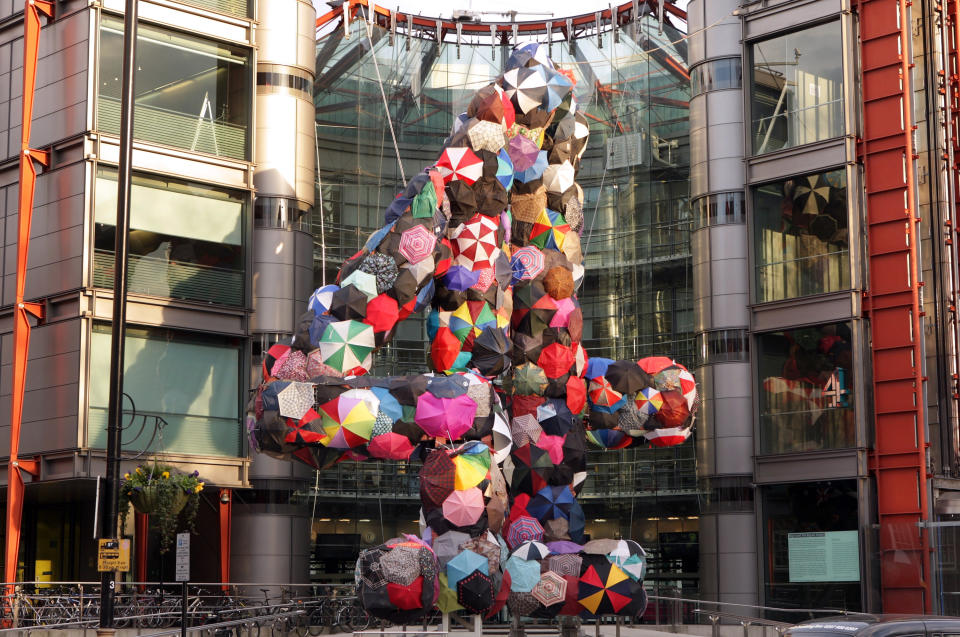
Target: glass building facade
[632, 83]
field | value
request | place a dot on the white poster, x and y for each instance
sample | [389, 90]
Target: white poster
[832, 556]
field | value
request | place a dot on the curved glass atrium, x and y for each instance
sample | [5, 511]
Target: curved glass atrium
[633, 84]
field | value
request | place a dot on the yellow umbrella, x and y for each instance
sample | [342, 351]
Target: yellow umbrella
[468, 472]
[447, 601]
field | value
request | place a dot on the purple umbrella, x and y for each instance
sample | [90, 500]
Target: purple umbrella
[459, 278]
[563, 547]
[447, 417]
[523, 152]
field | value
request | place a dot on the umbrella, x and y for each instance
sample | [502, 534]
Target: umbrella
[348, 422]
[559, 177]
[555, 417]
[505, 169]
[306, 430]
[382, 314]
[471, 318]
[524, 529]
[362, 281]
[655, 364]
[565, 564]
[390, 446]
[471, 469]
[463, 508]
[463, 202]
[522, 604]
[523, 152]
[447, 386]
[558, 87]
[492, 198]
[810, 196]
[459, 163]
[436, 478]
[627, 377]
[350, 302]
[447, 545]
[321, 299]
[556, 360]
[524, 574]
[369, 570]
[449, 417]
[464, 563]
[406, 597]
[649, 401]
[487, 104]
[549, 231]
[527, 263]
[558, 282]
[631, 558]
[668, 436]
[383, 268]
[608, 438]
[485, 135]
[551, 589]
[674, 410]
[600, 547]
[532, 550]
[525, 429]
[531, 468]
[346, 345]
[557, 530]
[534, 172]
[491, 350]
[460, 278]
[475, 592]
[526, 87]
[605, 589]
[417, 243]
[551, 502]
[401, 565]
[295, 400]
[475, 242]
[447, 599]
[502, 439]
[490, 550]
[563, 547]
[529, 379]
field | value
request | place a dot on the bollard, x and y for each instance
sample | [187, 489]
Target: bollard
[715, 630]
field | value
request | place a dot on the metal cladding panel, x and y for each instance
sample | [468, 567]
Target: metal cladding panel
[723, 38]
[733, 570]
[725, 140]
[702, 312]
[726, 107]
[285, 33]
[733, 417]
[60, 107]
[277, 138]
[731, 310]
[730, 242]
[733, 382]
[734, 454]
[695, 24]
[726, 173]
[285, 558]
[727, 276]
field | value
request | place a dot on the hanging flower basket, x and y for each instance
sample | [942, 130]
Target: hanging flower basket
[162, 492]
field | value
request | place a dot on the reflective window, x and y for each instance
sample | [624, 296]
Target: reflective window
[719, 209]
[806, 389]
[281, 212]
[190, 381]
[716, 75]
[192, 93]
[797, 88]
[723, 346]
[186, 240]
[812, 554]
[801, 238]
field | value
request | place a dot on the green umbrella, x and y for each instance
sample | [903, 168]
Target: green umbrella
[529, 380]
[346, 345]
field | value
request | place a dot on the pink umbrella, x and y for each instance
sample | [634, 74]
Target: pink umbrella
[553, 446]
[392, 446]
[448, 417]
[416, 243]
[465, 507]
[565, 308]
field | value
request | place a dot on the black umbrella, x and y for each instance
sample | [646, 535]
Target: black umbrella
[491, 352]
[349, 303]
[627, 377]
[491, 196]
[475, 592]
[447, 386]
[463, 201]
[407, 389]
[554, 417]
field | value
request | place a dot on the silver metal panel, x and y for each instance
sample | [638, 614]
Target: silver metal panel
[733, 416]
[704, 448]
[808, 311]
[306, 35]
[771, 17]
[695, 24]
[725, 140]
[737, 532]
[51, 434]
[828, 465]
[728, 277]
[735, 570]
[285, 152]
[731, 310]
[190, 19]
[726, 107]
[698, 111]
[733, 382]
[282, 26]
[267, 548]
[734, 454]
[702, 312]
[795, 161]
[699, 183]
[722, 38]
[169, 161]
[729, 242]
[701, 280]
[700, 246]
[726, 174]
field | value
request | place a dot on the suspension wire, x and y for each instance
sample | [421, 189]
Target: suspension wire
[383, 538]
[323, 234]
[316, 496]
[368, 29]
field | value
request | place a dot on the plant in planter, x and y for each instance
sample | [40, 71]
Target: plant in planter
[161, 491]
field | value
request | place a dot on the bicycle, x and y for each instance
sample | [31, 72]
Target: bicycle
[352, 615]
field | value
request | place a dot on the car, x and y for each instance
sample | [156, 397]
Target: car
[866, 625]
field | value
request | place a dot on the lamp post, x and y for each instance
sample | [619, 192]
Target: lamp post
[110, 513]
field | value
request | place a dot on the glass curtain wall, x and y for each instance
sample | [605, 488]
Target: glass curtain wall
[637, 291]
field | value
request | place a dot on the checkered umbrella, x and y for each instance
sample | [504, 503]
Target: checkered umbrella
[437, 478]
[296, 399]
[401, 565]
[485, 135]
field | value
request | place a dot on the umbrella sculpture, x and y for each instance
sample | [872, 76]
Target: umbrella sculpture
[487, 241]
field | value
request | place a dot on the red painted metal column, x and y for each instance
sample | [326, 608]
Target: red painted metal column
[898, 459]
[226, 512]
[141, 537]
[29, 158]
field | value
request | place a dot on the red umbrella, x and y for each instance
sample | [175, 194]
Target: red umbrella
[501, 599]
[406, 597]
[674, 411]
[382, 313]
[556, 360]
[390, 446]
[576, 394]
[437, 478]
[668, 436]
[460, 163]
[653, 364]
[444, 349]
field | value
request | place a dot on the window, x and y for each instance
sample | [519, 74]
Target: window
[801, 236]
[812, 546]
[191, 93]
[797, 89]
[719, 209]
[715, 75]
[191, 381]
[806, 389]
[723, 346]
[186, 240]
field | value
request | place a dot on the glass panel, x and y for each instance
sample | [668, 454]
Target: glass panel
[719, 209]
[191, 93]
[801, 236]
[723, 346]
[237, 8]
[806, 389]
[812, 556]
[186, 240]
[716, 75]
[797, 91]
[192, 383]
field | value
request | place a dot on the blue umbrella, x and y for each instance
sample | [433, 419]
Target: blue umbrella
[464, 563]
[577, 521]
[558, 86]
[504, 169]
[388, 403]
[317, 327]
[320, 299]
[597, 367]
[535, 171]
[551, 503]
[524, 574]
[447, 386]
[424, 296]
[609, 409]
[378, 236]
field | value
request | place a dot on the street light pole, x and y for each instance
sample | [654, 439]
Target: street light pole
[110, 513]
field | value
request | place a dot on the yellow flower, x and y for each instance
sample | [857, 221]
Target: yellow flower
[166, 475]
[138, 470]
[126, 476]
[199, 487]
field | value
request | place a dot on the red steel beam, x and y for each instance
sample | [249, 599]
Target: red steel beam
[226, 525]
[898, 459]
[29, 158]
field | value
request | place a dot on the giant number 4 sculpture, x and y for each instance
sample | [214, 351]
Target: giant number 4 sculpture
[488, 237]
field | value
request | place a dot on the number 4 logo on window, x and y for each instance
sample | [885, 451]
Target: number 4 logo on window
[835, 389]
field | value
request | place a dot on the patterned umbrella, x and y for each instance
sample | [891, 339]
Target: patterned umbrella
[475, 592]
[348, 422]
[526, 87]
[485, 135]
[558, 88]
[296, 399]
[668, 436]
[471, 318]
[475, 243]
[522, 604]
[436, 478]
[383, 267]
[566, 564]
[347, 345]
[527, 263]
[524, 529]
[532, 550]
[321, 298]
[369, 569]
[490, 550]
[529, 379]
[401, 565]
[649, 401]
[631, 558]
[525, 429]
[460, 163]
[306, 430]
[471, 468]
[417, 243]
[551, 589]
[362, 281]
